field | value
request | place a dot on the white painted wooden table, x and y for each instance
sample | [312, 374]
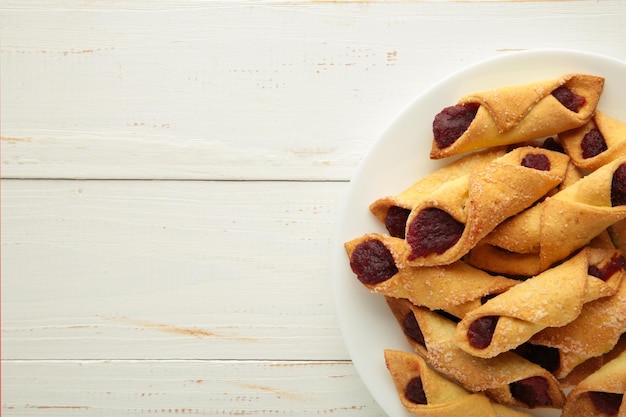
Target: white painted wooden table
[172, 175]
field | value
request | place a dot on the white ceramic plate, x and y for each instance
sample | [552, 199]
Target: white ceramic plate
[398, 159]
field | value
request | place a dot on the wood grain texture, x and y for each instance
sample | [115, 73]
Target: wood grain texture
[194, 387]
[151, 269]
[245, 90]
[172, 173]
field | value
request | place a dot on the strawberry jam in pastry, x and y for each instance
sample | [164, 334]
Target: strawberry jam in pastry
[601, 393]
[508, 378]
[618, 186]
[447, 223]
[550, 231]
[505, 269]
[412, 329]
[512, 318]
[393, 211]
[616, 264]
[515, 114]
[531, 391]
[596, 143]
[372, 262]
[593, 144]
[433, 231]
[536, 161]
[569, 99]
[480, 331]
[415, 391]
[426, 393]
[395, 222]
[607, 403]
[380, 265]
[452, 121]
[598, 331]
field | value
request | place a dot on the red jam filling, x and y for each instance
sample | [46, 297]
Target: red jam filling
[452, 122]
[593, 144]
[531, 391]
[395, 222]
[547, 357]
[536, 161]
[616, 263]
[480, 331]
[607, 403]
[412, 329]
[432, 231]
[372, 262]
[569, 99]
[414, 391]
[618, 187]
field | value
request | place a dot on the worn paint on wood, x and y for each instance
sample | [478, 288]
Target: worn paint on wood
[246, 90]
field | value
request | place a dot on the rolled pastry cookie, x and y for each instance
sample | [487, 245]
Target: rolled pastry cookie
[591, 365]
[444, 226]
[601, 394]
[377, 261]
[515, 114]
[426, 393]
[393, 211]
[507, 379]
[595, 332]
[601, 140]
[522, 265]
[550, 231]
[379, 264]
[553, 298]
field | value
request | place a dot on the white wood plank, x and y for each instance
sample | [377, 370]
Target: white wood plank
[211, 388]
[166, 270]
[245, 90]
